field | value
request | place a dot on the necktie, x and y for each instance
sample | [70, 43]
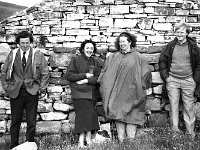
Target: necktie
[24, 61]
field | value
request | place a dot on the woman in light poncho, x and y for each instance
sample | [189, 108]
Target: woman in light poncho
[123, 86]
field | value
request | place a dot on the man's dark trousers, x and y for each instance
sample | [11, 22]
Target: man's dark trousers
[28, 102]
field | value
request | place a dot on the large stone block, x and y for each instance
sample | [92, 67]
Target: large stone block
[4, 51]
[135, 16]
[192, 19]
[155, 49]
[52, 22]
[55, 74]
[153, 103]
[163, 26]
[2, 91]
[44, 107]
[108, 1]
[56, 39]
[100, 9]
[157, 89]
[106, 21]
[119, 9]
[55, 89]
[147, 1]
[145, 23]
[136, 10]
[3, 116]
[175, 19]
[152, 58]
[65, 49]
[106, 127]
[48, 127]
[75, 16]
[71, 24]
[149, 10]
[164, 11]
[60, 60]
[53, 116]
[195, 12]
[182, 12]
[59, 81]
[2, 111]
[80, 38]
[125, 23]
[44, 29]
[67, 127]
[159, 119]
[62, 107]
[77, 32]
[58, 31]
[71, 117]
[3, 126]
[100, 38]
[54, 96]
[4, 104]
[174, 1]
[156, 39]
[156, 78]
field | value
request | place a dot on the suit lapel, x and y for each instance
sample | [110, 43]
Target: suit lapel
[28, 62]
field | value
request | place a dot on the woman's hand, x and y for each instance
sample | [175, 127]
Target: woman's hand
[82, 81]
[89, 75]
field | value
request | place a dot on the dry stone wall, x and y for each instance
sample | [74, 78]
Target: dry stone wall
[66, 23]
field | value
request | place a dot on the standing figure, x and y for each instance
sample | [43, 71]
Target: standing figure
[83, 73]
[179, 67]
[25, 74]
[122, 85]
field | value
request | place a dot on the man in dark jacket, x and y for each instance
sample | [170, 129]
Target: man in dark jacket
[179, 67]
[25, 74]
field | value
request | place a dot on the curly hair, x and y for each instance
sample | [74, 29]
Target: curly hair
[130, 37]
[81, 49]
[24, 34]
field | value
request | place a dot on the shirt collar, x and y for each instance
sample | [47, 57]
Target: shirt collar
[27, 53]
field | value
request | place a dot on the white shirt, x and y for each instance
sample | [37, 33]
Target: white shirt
[26, 55]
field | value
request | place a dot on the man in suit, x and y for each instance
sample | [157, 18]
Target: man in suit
[25, 75]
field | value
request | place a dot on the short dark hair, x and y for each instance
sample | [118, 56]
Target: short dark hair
[130, 37]
[81, 49]
[24, 34]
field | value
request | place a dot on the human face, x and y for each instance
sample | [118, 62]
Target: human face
[88, 49]
[181, 34]
[24, 44]
[124, 44]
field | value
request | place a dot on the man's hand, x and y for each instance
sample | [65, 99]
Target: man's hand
[197, 91]
[82, 81]
[89, 75]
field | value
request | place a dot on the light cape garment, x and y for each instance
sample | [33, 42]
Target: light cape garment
[122, 86]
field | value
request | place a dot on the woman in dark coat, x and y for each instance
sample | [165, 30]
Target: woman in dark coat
[83, 73]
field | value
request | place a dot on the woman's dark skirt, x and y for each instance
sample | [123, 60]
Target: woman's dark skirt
[86, 117]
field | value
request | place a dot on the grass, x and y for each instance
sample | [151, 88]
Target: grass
[156, 138]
